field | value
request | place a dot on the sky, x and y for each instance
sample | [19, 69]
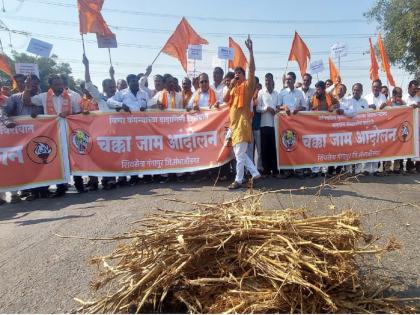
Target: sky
[142, 27]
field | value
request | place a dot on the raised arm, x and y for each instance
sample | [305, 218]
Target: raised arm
[87, 73]
[251, 66]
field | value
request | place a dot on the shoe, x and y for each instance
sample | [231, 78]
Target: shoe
[314, 175]
[366, 173]
[2, 202]
[59, 193]
[234, 185]
[164, 180]
[92, 187]
[32, 197]
[223, 178]
[15, 199]
[121, 182]
[132, 182]
[81, 190]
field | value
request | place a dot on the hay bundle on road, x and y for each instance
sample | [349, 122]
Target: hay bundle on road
[238, 258]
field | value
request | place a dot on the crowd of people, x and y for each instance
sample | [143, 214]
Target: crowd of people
[251, 115]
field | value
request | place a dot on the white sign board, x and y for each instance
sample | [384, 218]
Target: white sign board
[27, 68]
[338, 50]
[225, 53]
[106, 41]
[316, 66]
[40, 48]
[195, 52]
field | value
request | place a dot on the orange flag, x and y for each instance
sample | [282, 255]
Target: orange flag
[385, 62]
[90, 17]
[334, 73]
[4, 67]
[300, 53]
[373, 63]
[177, 44]
[239, 59]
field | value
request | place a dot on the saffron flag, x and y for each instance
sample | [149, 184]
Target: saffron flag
[177, 44]
[239, 59]
[373, 63]
[4, 67]
[334, 73]
[385, 62]
[90, 17]
[300, 53]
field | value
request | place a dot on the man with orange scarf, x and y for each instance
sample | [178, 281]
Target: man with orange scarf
[57, 101]
[205, 96]
[322, 101]
[168, 98]
[239, 97]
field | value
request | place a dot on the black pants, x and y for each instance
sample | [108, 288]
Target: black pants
[268, 150]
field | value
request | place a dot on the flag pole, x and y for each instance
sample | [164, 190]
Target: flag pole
[160, 51]
[339, 63]
[83, 44]
[109, 53]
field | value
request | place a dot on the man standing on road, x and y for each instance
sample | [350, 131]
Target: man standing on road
[241, 92]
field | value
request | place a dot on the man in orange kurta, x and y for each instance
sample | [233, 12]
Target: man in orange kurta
[239, 98]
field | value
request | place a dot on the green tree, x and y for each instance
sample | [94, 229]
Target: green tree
[399, 22]
[46, 66]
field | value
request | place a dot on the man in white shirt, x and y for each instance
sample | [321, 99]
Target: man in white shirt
[376, 99]
[168, 98]
[350, 106]
[266, 105]
[205, 96]
[61, 102]
[218, 84]
[411, 98]
[291, 100]
[354, 104]
[58, 96]
[308, 92]
[131, 99]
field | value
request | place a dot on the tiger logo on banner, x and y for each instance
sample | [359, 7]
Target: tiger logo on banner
[42, 150]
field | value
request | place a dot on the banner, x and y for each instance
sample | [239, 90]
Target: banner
[323, 139]
[31, 154]
[153, 142]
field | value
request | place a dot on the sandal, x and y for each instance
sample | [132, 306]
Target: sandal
[234, 185]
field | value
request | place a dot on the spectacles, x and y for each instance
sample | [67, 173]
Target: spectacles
[204, 81]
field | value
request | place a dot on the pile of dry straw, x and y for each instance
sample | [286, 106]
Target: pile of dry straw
[235, 257]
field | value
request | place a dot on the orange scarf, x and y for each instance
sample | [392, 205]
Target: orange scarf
[88, 105]
[65, 106]
[164, 98]
[238, 95]
[316, 102]
[186, 96]
[211, 100]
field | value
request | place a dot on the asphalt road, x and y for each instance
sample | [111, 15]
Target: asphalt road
[42, 273]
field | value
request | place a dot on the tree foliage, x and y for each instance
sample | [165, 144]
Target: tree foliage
[399, 22]
[46, 66]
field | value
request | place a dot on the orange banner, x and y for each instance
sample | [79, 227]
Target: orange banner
[31, 154]
[323, 139]
[153, 142]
